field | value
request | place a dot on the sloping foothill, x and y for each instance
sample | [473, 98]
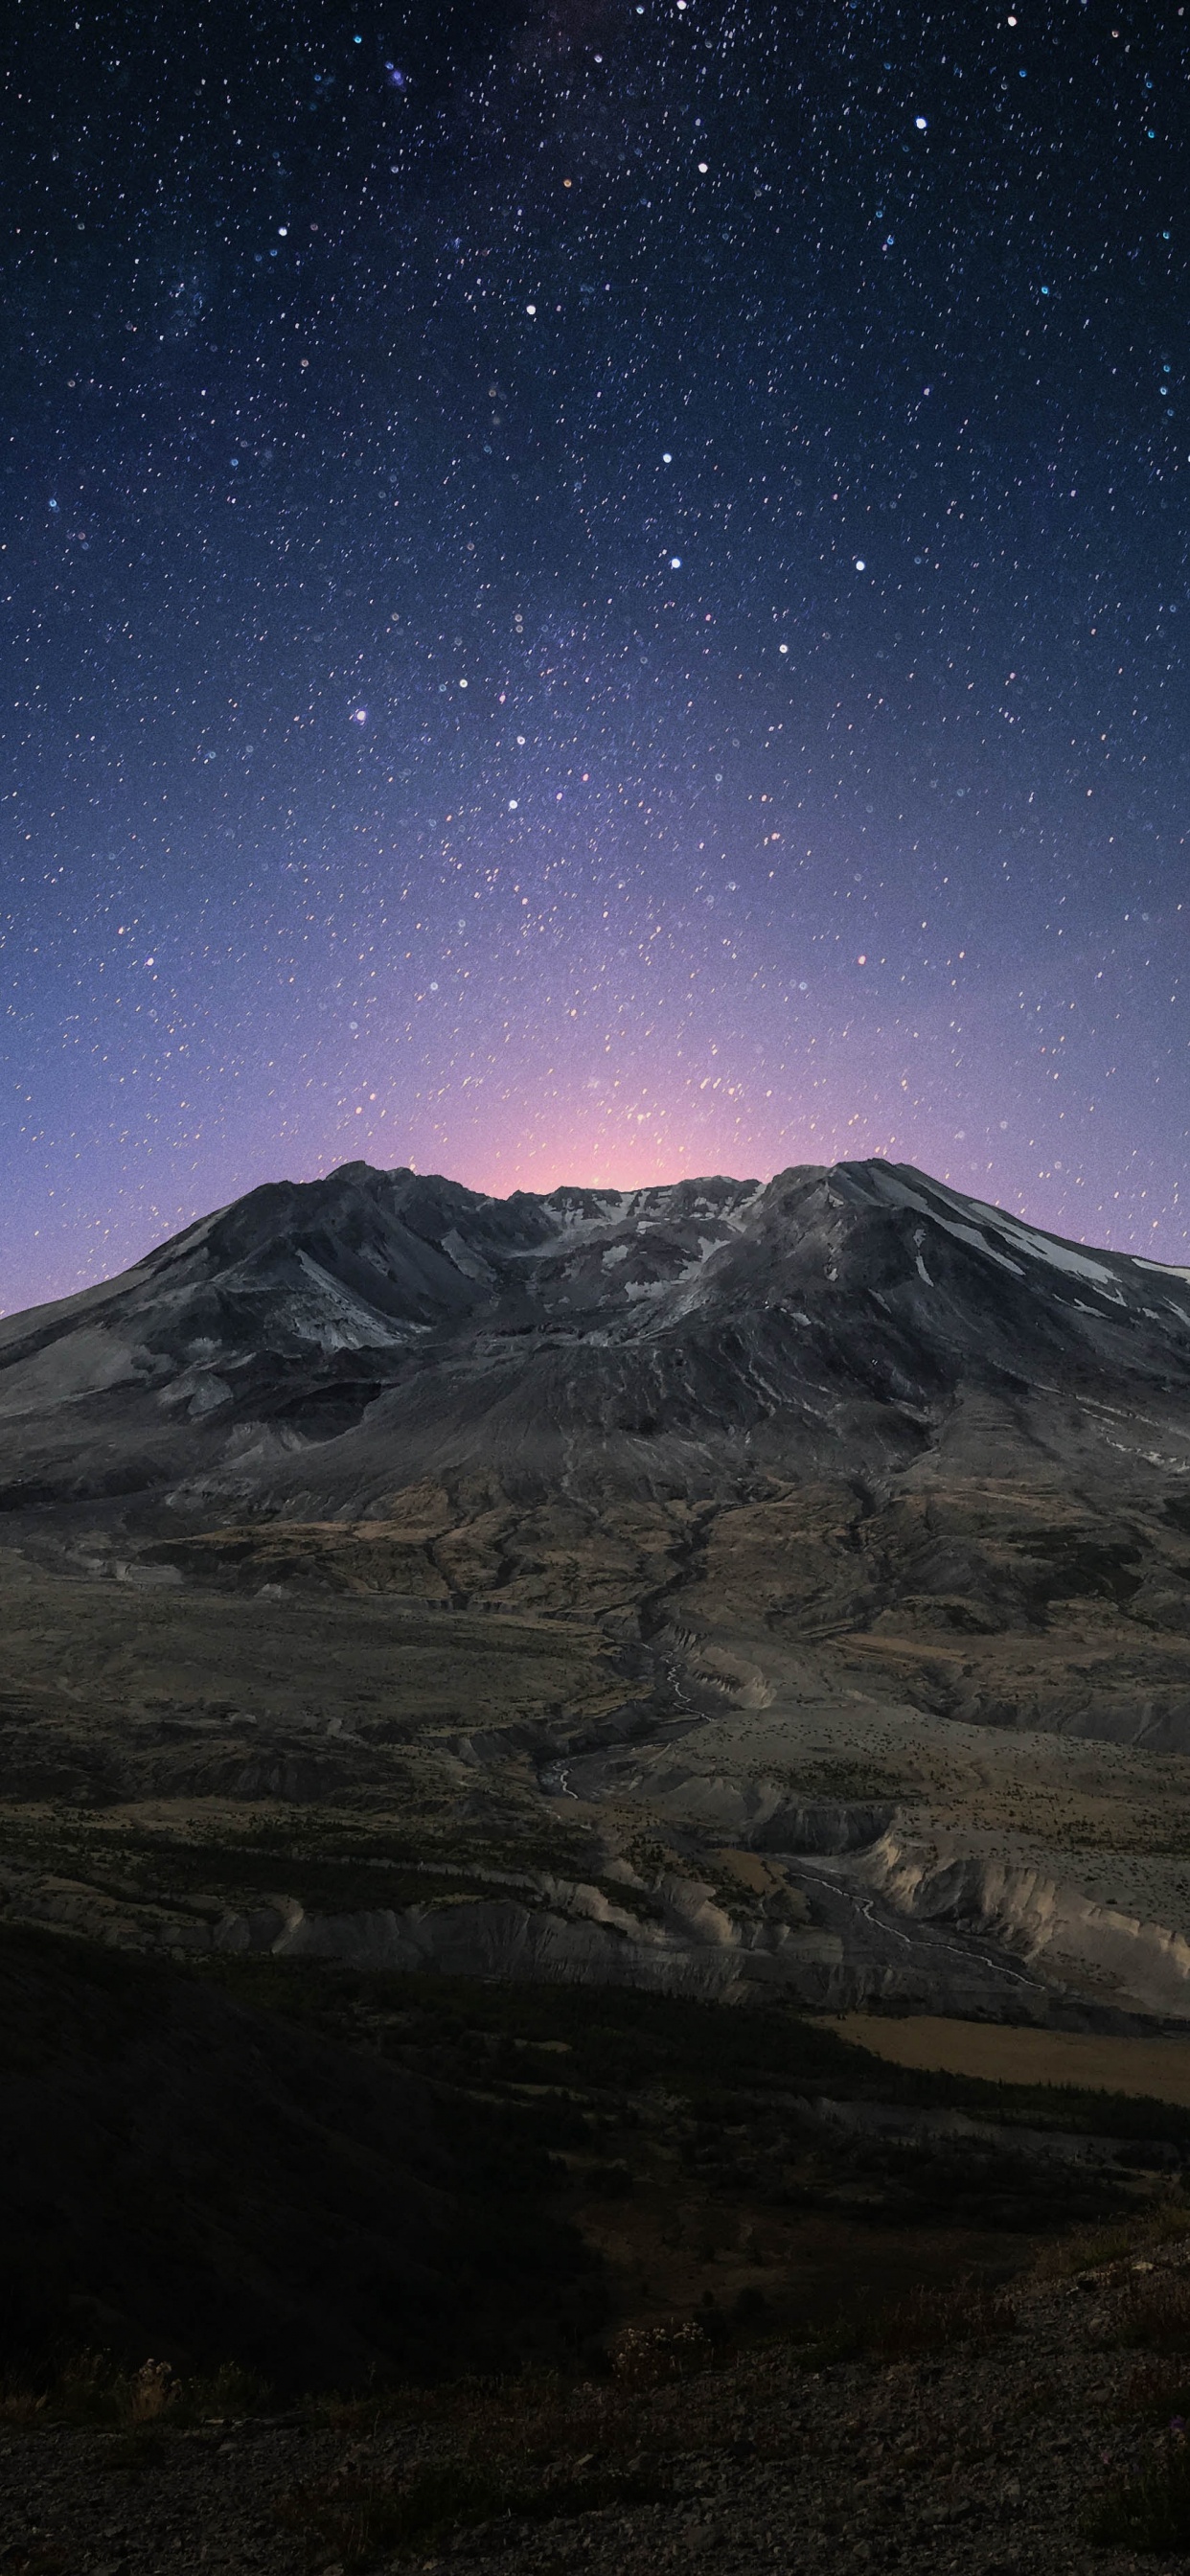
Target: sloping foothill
[188, 2177]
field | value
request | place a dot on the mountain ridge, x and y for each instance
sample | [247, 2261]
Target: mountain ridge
[681, 1331]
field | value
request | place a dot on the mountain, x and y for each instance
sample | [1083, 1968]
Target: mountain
[839, 1532]
[316, 1344]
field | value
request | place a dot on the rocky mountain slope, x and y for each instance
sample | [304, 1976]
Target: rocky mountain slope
[699, 1586]
[321, 1343]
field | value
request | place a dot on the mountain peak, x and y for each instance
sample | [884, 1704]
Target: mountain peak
[397, 1323]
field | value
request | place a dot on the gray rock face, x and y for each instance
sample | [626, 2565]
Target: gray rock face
[315, 1344]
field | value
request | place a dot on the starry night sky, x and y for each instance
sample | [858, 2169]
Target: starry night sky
[593, 592]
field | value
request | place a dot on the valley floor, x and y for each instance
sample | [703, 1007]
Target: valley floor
[1158, 2069]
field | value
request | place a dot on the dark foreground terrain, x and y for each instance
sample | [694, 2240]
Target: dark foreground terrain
[1027, 2431]
[310, 2268]
[334, 2178]
[190, 2179]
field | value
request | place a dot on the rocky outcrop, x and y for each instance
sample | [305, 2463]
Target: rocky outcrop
[1068, 1938]
[680, 1940]
[589, 1943]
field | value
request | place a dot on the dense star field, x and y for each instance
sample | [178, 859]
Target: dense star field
[593, 591]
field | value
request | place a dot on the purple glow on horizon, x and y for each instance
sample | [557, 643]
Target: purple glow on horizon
[581, 612]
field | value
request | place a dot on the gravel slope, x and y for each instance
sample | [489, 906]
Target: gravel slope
[979, 2457]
